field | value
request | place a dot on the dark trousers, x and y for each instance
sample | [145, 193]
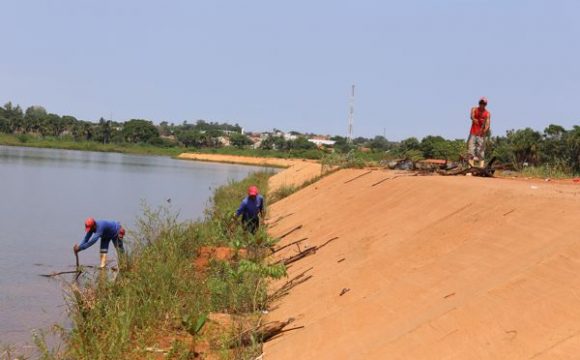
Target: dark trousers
[117, 242]
[251, 224]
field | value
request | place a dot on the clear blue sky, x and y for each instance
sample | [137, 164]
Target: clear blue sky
[418, 65]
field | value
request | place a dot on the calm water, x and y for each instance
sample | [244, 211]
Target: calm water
[45, 195]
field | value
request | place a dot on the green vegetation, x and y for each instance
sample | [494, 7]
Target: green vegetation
[555, 150]
[69, 144]
[282, 192]
[160, 290]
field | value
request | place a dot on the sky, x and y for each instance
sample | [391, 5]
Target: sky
[418, 66]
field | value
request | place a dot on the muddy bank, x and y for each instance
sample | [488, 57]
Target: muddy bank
[430, 268]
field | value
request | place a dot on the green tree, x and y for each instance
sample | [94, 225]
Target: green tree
[104, 131]
[409, 144]
[240, 140]
[341, 144]
[301, 143]
[140, 131]
[267, 143]
[32, 118]
[379, 143]
[524, 146]
[50, 125]
[4, 124]
[14, 116]
[190, 138]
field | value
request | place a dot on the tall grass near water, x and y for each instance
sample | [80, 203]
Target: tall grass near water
[159, 290]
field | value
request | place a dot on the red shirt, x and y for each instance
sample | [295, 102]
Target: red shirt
[478, 125]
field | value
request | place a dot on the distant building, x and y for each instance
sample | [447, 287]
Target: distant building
[322, 141]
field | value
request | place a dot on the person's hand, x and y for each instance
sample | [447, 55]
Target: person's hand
[76, 248]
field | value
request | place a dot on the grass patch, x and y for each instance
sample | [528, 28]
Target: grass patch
[160, 291]
[59, 143]
[546, 171]
[282, 192]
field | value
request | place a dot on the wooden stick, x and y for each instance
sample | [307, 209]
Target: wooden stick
[300, 255]
[326, 243]
[393, 177]
[356, 177]
[279, 218]
[61, 273]
[290, 232]
[385, 179]
[288, 245]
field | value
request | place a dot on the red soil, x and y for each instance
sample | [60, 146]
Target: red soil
[431, 268]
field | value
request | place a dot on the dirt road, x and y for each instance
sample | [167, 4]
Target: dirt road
[431, 268]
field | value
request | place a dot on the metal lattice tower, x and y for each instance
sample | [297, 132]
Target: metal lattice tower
[350, 116]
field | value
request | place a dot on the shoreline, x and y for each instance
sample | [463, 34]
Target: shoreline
[295, 173]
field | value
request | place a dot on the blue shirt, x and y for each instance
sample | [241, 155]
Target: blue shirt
[250, 208]
[105, 229]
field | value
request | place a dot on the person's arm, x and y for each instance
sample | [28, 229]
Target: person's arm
[89, 240]
[473, 119]
[486, 125]
[241, 208]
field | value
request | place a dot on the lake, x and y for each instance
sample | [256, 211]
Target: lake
[45, 196]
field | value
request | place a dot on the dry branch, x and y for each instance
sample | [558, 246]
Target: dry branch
[392, 178]
[300, 255]
[264, 332]
[288, 245]
[279, 219]
[326, 243]
[61, 273]
[359, 176]
[295, 281]
[290, 232]
[305, 253]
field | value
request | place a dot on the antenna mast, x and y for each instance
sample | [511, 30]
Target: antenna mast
[350, 116]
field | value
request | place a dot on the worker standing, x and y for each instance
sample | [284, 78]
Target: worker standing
[251, 209]
[104, 230]
[480, 121]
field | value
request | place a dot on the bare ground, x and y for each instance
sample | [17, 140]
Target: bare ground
[430, 268]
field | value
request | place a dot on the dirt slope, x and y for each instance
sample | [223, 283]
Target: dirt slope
[296, 172]
[436, 267]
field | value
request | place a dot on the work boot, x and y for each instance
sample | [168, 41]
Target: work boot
[471, 162]
[103, 261]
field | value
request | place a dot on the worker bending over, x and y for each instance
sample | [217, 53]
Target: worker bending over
[251, 209]
[105, 231]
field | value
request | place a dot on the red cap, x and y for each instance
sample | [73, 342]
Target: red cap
[121, 233]
[253, 190]
[89, 224]
[483, 100]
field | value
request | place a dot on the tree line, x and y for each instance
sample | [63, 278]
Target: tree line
[556, 147]
[36, 121]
